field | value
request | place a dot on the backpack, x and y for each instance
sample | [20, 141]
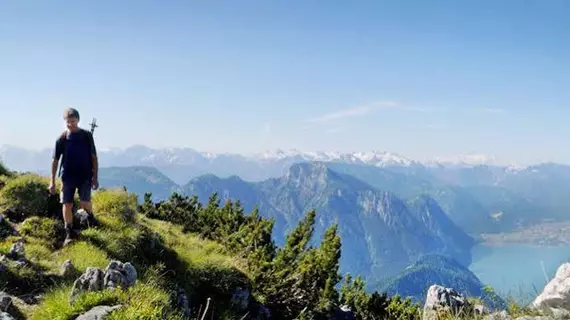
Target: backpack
[63, 136]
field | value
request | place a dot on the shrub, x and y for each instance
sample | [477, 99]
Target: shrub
[3, 170]
[26, 195]
[46, 229]
[115, 204]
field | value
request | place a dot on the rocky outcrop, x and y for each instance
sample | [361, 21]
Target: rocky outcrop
[445, 300]
[115, 275]
[552, 304]
[556, 293]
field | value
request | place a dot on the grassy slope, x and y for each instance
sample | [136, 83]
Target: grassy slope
[197, 264]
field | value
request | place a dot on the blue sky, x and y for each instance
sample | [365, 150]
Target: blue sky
[419, 78]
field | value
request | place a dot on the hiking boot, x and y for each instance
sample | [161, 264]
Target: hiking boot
[91, 218]
[70, 235]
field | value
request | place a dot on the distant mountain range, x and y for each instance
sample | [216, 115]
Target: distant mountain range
[182, 164]
[479, 196]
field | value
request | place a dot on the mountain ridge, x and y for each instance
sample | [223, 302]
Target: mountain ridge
[380, 233]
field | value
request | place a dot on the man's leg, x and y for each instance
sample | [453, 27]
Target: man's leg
[67, 193]
[85, 200]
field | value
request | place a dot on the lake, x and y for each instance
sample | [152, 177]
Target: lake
[517, 270]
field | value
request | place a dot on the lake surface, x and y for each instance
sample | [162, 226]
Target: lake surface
[517, 270]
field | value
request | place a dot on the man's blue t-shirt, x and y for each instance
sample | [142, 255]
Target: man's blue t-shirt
[76, 149]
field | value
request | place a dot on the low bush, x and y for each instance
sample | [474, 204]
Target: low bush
[49, 230]
[115, 204]
[25, 195]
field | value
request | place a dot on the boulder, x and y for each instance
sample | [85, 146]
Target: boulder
[445, 300]
[116, 275]
[556, 294]
[91, 280]
[98, 313]
[83, 219]
[119, 274]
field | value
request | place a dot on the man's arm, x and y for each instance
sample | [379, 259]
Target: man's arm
[55, 160]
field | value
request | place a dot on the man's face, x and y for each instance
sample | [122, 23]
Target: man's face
[71, 123]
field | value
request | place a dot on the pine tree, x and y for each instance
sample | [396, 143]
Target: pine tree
[281, 292]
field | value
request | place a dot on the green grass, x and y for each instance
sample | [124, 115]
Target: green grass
[145, 300]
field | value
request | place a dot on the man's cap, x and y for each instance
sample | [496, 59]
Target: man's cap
[71, 112]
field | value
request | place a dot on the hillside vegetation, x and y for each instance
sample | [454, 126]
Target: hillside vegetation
[192, 260]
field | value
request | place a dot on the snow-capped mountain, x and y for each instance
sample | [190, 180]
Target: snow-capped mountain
[181, 164]
[376, 158]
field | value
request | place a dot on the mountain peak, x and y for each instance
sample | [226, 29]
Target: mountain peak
[317, 170]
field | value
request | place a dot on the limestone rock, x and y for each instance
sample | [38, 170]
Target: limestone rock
[440, 299]
[67, 269]
[503, 315]
[556, 293]
[17, 250]
[480, 310]
[344, 313]
[94, 279]
[119, 274]
[5, 301]
[6, 316]
[98, 313]
[83, 219]
[91, 280]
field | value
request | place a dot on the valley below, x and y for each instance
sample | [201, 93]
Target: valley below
[556, 233]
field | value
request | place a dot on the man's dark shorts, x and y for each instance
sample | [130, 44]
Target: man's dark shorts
[68, 190]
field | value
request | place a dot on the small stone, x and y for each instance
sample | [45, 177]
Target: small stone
[67, 269]
[503, 315]
[17, 250]
[6, 316]
[98, 313]
[130, 273]
[5, 301]
[20, 263]
[480, 310]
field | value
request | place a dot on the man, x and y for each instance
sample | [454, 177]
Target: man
[79, 170]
